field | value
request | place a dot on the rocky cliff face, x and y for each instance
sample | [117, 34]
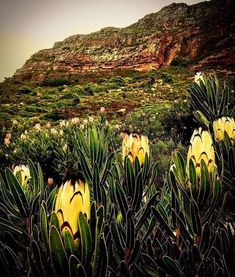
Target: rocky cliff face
[201, 33]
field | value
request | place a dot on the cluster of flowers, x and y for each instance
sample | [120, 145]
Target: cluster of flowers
[74, 195]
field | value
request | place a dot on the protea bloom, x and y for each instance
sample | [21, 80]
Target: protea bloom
[201, 148]
[199, 76]
[135, 145]
[22, 173]
[73, 197]
[224, 124]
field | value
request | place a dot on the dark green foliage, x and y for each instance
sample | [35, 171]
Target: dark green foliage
[210, 100]
[178, 122]
[179, 61]
[25, 89]
[167, 78]
[88, 89]
[76, 101]
[55, 82]
[117, 80]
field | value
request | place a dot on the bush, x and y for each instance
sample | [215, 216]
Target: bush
[55, 82]
[117, 80]
[178, 122]
[88, 89]
[166, 78]
[75, 101]
[25, 89]
[54, 116]
[179, 61]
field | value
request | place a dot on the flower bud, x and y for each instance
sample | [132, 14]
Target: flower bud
[224, 124]
[22, 173]
[135, 145]
[201, 148]
[73, 197]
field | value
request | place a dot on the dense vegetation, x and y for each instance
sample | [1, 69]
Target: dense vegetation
[122, 211]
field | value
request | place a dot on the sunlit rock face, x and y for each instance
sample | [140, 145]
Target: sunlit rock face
[202, 33]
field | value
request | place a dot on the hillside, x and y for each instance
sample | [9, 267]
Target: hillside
[201, 35]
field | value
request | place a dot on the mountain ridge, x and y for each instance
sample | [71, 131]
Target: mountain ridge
[176, 33]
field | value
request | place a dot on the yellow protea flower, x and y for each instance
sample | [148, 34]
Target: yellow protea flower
[73, 197]
[224, 124]
[135, 145]
[22, 173]
[201, 148]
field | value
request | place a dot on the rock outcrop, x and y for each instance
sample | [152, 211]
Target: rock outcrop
[202, 34]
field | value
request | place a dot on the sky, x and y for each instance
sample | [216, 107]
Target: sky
[27, 26]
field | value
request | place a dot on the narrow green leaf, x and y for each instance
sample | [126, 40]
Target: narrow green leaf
[102, 264]
[196, 221]
[117, 240]
[162, 221]
[73, 266]
[135, 253]
[34, 176]
[69, 244]
[44, 226]
[54, 221]
[130, 230]
[138, 193]
[57, 251]
[41, 182]
[6, 225]
[86, 240]
[18, 193]
[129, 177]
[173, 266]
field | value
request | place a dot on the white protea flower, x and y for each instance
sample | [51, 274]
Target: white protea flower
[64, 123]
[37, 127]
[23, 136]
[22, 173]
[48, 125]
[91, 118]
[75, 120]
[198, 76]
[65, 147]
[54, 131]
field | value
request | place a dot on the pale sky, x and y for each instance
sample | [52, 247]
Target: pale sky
[27, 26]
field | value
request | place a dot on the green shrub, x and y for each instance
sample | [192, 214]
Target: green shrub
[51, 91]
[75, 101]
[167, 78]
[25, 89]
[88, 89]
[54, 116]
[178, 122]
[117, 80]
[55, 82]
[180, 61]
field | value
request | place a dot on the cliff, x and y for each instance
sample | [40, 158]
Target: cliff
[202, 34]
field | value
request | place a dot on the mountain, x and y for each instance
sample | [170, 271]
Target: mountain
[202, 34]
